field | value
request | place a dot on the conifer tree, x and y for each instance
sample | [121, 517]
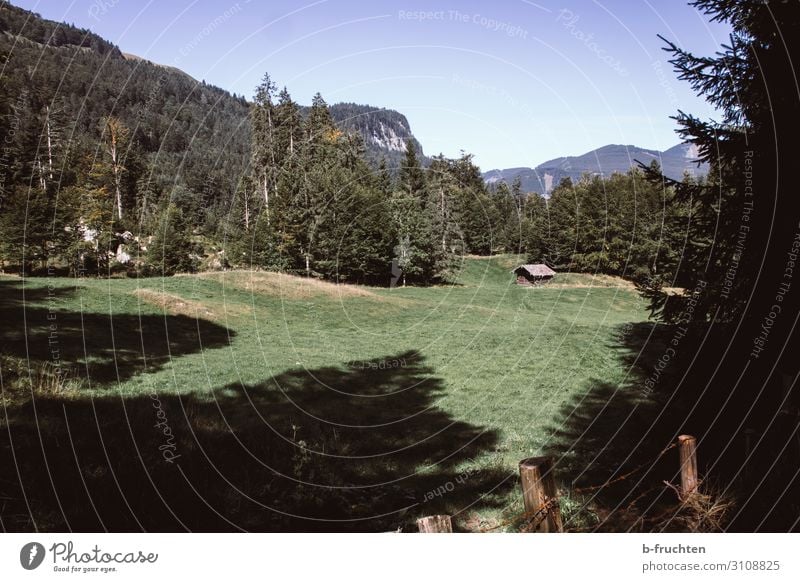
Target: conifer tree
[264, 163]
[418, 251]
[171, 250]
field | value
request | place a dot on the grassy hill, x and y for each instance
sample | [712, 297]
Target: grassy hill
[295, 404]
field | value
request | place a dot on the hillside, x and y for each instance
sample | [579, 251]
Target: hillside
[185, 132]
[602, 161]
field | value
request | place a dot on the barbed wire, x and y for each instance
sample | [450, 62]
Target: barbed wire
[539, 515]
[626, 475]
[534, 518]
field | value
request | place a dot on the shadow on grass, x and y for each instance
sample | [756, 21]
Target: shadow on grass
[610, 443]
[97, 347]
[361, 447]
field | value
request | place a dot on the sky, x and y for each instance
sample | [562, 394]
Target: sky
[513, 82]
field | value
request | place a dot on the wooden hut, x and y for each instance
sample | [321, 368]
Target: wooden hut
[533, 274]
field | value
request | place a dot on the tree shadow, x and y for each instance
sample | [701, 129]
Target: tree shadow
[99, 348]
[358, 447]
[613, 445]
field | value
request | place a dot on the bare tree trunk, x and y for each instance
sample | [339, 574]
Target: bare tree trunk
[246, 213]
[117, 180]
[116, 133]
[444, 230]
[274, 169]
[266, 197]
[42, 181]
[49, 144]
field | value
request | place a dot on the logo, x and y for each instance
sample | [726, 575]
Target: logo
[31, 555]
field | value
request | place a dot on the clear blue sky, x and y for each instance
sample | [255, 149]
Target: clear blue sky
[513, 82]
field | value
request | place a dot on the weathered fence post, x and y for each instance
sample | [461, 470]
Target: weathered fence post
[687, 449]
[539, 494]
[435, 524]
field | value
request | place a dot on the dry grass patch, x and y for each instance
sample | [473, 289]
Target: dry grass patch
[585, 280]
[177, 305]
[287, 286]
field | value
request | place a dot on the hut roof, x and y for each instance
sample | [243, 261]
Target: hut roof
[539, 270]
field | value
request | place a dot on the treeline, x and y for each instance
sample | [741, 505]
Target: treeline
[312, 204]
[117, 165]
[308, 202]
[624, 225]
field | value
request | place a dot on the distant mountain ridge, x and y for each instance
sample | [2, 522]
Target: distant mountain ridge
[603, 161]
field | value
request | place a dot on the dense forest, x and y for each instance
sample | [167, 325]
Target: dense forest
[323, 211]
[112, 164]
[98, 143]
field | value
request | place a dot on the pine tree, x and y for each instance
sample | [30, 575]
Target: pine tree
[383, 180]
[477, 217]
[318, 187]
[264, 163]
[418, 250]
[536, 230]
[744, 197]
[412, 177]
[509, 206]
[172, 250]
[288, 128]
[740, 308]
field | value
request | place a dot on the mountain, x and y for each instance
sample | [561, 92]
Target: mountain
[194, 135]
[385, 131]
[603, 161]
[188, 134]
[188, 138]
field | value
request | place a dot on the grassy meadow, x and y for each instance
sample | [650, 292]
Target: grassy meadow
[260, 401]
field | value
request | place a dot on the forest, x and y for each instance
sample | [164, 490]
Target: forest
[141, 170]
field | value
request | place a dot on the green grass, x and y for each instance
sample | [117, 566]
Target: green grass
[498, 364]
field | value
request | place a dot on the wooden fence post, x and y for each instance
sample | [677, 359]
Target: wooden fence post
[539, 494]
[687, 449]
[435, 524]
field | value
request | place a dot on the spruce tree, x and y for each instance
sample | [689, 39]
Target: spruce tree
[172, 250]
[264, 164]
[739, 312]
[416, 250]
[748, 83]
